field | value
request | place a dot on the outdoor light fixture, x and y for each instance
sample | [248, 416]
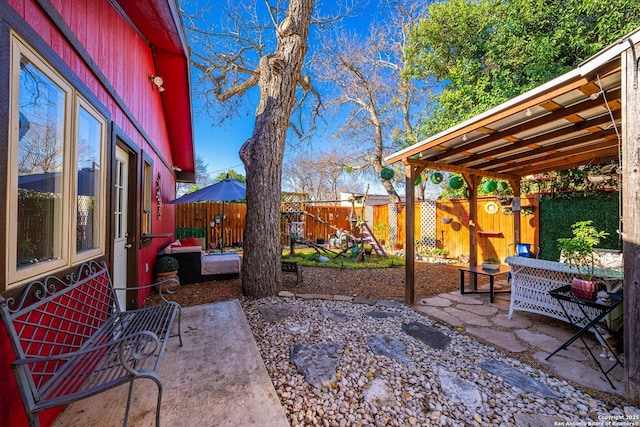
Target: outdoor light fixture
[528, 113]
[595, 95]
[464, 137]
[158, 81]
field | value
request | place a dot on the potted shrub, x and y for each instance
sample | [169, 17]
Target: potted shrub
[440, 252]
[579, 252]
[166, 268]
[491, 263]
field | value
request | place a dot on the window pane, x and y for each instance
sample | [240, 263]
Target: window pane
[88, 184]
[40, 167]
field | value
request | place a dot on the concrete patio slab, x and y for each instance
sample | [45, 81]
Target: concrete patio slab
[216, 379]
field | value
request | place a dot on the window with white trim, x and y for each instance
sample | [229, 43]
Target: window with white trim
[56, 181]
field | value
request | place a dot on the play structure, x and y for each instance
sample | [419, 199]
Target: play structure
[349, 231]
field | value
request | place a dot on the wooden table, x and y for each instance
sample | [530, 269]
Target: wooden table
[484, 272]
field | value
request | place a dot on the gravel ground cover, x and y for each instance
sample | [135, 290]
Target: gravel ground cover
[372, 389]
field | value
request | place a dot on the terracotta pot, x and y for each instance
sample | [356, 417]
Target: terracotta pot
[168, 275]
[585, 289]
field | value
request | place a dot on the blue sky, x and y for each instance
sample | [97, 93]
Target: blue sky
[219, 145]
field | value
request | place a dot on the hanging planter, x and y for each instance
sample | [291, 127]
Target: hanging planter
[418, 180]
[387, 173]
[505, 200]
[436, 178]
[456, 182]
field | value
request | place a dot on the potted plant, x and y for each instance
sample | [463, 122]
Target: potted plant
[504, 194]
[491, 263]
[579, 252]
[368, 249]
[440, 252]
[166, 268]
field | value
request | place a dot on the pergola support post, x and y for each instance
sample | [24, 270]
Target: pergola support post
[472, 182]
[411, 173]
[631, 232]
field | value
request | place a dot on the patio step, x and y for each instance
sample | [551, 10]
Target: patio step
[217, 378]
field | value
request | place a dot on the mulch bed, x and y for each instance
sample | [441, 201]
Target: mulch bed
[378, 283]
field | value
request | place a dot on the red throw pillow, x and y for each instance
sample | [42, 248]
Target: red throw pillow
[191, 241]
[176, 245]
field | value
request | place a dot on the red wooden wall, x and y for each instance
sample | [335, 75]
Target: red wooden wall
[123, 88]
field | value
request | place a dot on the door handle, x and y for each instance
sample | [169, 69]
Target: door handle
[128, 246]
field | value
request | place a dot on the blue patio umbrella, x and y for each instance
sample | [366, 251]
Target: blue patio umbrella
[222, 191]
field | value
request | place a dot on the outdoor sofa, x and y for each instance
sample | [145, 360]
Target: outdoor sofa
[196, 265]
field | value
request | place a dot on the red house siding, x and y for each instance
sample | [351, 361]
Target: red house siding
[118, 75]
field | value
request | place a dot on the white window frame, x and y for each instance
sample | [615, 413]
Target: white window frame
[73, 101]
[100, 209]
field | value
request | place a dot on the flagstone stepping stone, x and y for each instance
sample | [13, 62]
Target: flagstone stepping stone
[379, 394]
[382, 314]
[528, 420]
[516, 378]
[428, 335]
[482, 310]
[317, 362]
[390, 303]
[275, 313]
[435, 302]
[365, 300]
[387, 346]
[336, 316]
[299, 328]
[459, 390]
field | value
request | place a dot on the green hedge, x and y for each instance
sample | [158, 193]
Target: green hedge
[559, 211]
[186, 232]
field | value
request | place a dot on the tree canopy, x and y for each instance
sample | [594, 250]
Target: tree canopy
[485, 52]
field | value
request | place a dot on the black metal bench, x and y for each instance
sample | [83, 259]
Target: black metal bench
[292, 267]
[71, 339]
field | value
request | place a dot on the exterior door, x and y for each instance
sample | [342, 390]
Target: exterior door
[120, 244]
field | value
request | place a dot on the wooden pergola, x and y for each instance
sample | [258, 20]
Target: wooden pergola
[590, 115]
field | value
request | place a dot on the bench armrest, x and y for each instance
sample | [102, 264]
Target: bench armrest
[174, 285]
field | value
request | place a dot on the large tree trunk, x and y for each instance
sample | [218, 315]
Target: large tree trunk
[262, 153]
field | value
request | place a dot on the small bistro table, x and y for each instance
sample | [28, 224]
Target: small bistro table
[478, 270]
[593, 313]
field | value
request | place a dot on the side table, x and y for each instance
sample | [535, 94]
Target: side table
[483, 272]
[593, 313]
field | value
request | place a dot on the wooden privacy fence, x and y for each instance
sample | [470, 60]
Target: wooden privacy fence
[200, 215]
[433, 229]
[314, 221]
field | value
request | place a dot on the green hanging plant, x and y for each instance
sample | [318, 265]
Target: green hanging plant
[456, 182]
[387, 173]
[418, 180]
[436, 178]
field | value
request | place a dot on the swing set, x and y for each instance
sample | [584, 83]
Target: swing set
[353, 240]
